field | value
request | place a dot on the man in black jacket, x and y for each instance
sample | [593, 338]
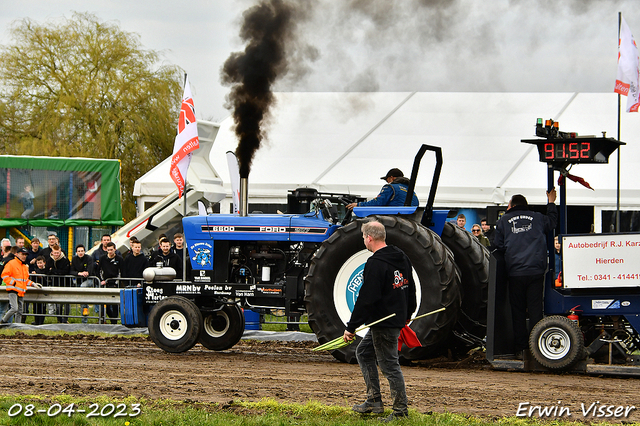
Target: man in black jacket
[82, 267]
[58, 267]
[135, 263]
[167, 257]
[522, 235]
[387, 288]
[110, 266]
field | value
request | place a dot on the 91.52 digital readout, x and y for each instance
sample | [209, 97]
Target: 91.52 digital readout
[562, 151]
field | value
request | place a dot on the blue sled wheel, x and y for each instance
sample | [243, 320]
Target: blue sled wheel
[556, 342]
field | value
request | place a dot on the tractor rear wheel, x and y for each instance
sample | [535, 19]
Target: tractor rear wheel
[472, 258]
[335, 276]
[222, 329]
[556, 342]
[174, 324]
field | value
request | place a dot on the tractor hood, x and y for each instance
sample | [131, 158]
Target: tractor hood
[259, 227]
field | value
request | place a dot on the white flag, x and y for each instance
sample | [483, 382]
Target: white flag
[627, 79]
[186, 140]
[234, 175]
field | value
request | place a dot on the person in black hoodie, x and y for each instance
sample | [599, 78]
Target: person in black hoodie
[167, 258]
[58, 266]
[387, 288]
[110, 266]
[522, 235]
[82, 267]
[135, 263]
[40, 269]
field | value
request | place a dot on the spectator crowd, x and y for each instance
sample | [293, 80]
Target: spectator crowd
[105, 268]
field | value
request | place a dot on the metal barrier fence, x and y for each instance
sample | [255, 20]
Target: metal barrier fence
[67, 296]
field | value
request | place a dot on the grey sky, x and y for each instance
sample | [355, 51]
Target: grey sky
[367, 45]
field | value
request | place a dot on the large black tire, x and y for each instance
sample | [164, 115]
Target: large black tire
[174, 324]
[222, 329]
[339, 261]
[556, 342]
[472, 259]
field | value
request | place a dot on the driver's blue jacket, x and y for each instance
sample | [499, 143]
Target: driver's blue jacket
[392, 194]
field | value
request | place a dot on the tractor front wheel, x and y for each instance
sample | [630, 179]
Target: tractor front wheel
[174, 324]
[222, 329]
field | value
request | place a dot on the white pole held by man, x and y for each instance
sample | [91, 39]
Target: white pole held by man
[186, 142]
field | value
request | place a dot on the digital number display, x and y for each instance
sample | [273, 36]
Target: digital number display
[566, 151]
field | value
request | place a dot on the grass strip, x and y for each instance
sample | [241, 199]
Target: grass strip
[260, 413]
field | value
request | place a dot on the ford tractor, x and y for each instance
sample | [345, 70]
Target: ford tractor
[311, 261]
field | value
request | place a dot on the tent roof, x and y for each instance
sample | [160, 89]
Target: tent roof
[344, 142]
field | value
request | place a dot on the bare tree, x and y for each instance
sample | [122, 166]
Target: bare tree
[81, 87]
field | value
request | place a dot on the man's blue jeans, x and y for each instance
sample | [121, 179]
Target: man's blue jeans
[380, 345]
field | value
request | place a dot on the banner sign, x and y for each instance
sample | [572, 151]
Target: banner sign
[601, 261]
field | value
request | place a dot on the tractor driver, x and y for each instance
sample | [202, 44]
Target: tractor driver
[393, 193]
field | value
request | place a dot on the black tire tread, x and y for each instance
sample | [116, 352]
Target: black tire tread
[443, 292]
[472, 258]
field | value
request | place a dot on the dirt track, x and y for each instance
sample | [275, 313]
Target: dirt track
[287, 371]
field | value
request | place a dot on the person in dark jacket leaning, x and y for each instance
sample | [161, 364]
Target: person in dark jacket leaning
[82, 267]
[522, 235]
[387, 288]
[394, 193]
[110, 266]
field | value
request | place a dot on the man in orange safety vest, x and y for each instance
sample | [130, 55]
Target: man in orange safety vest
[16, 278]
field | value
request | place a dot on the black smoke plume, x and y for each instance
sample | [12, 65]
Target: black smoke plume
[268, 31]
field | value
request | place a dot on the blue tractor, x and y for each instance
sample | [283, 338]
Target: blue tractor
[311, 261]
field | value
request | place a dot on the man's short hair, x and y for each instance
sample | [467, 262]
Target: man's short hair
[164, 240]
[52, 234]
[375, 230]
[461, 216]
[111, 244]
[55, 247]
[40, 258]
[35, 240]
[80, 245]
[105, 235]
[484, 219]
[178, 235]
[5, 241]
[519, 200]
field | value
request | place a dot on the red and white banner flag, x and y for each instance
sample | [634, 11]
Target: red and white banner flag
[628, 73]
[186, 140]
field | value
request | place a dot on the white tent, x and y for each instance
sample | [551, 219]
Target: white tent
[344, 142]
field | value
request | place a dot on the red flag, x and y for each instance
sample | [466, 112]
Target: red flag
[409, 338]
[578, 179]
[186, 140]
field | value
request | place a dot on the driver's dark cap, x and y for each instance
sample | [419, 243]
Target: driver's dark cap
[393, 173]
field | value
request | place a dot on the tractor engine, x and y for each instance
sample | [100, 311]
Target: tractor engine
[275, 267]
